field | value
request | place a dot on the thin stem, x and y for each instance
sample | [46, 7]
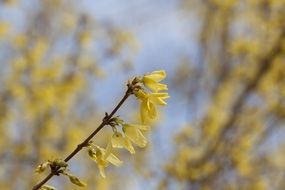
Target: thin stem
[86, 141]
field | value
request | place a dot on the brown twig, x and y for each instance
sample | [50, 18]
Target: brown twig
[106, 119]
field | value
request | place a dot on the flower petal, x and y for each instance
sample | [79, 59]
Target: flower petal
[156, 75]
[140, 140]
[143, 111]
[117, 140]
[152, 111]
[141, 127]
[114, 160]
[75, 180]
[102, 171]
[128, 146]
[135, 135]
[154, 85]
[108, 150]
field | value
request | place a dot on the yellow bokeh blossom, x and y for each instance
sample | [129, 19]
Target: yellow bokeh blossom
[152, 80]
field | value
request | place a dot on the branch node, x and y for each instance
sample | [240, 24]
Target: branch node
[106, 118]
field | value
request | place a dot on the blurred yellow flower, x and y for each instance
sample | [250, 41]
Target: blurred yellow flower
[152, 81]
[4, 29]
[103, 157]
[133, 132]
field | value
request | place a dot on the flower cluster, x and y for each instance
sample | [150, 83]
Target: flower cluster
[149, 100]
[150, 93]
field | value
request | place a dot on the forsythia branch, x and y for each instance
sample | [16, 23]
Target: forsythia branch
[105, 122]
[147, 90]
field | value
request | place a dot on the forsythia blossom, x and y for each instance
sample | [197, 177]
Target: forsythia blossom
[152, 81]
[133, 132]
[148, 102]
[103, 157]
[119, 141]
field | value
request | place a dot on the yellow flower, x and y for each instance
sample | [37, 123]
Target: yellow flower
[133, 132]
[152, 80]
[148, 101]
[119, 141]
[103, 157]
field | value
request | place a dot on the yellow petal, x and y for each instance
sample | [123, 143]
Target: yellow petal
[128, 146]
[153, 85]
[141, 95]
[77, 181]
[158, 98]
[141, 127]
[160, 72]
[102, 171]
[156, 75]
[159, 101]
[130, 131]
[108, 150]
[114, 160]
[135, 135]
[140, 140]
[161, 87]
[159, 95]
[144, 112]
[117, 140]
[152, 111]
[98, 156]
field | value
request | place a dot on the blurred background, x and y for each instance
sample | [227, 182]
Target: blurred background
[66, 62]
